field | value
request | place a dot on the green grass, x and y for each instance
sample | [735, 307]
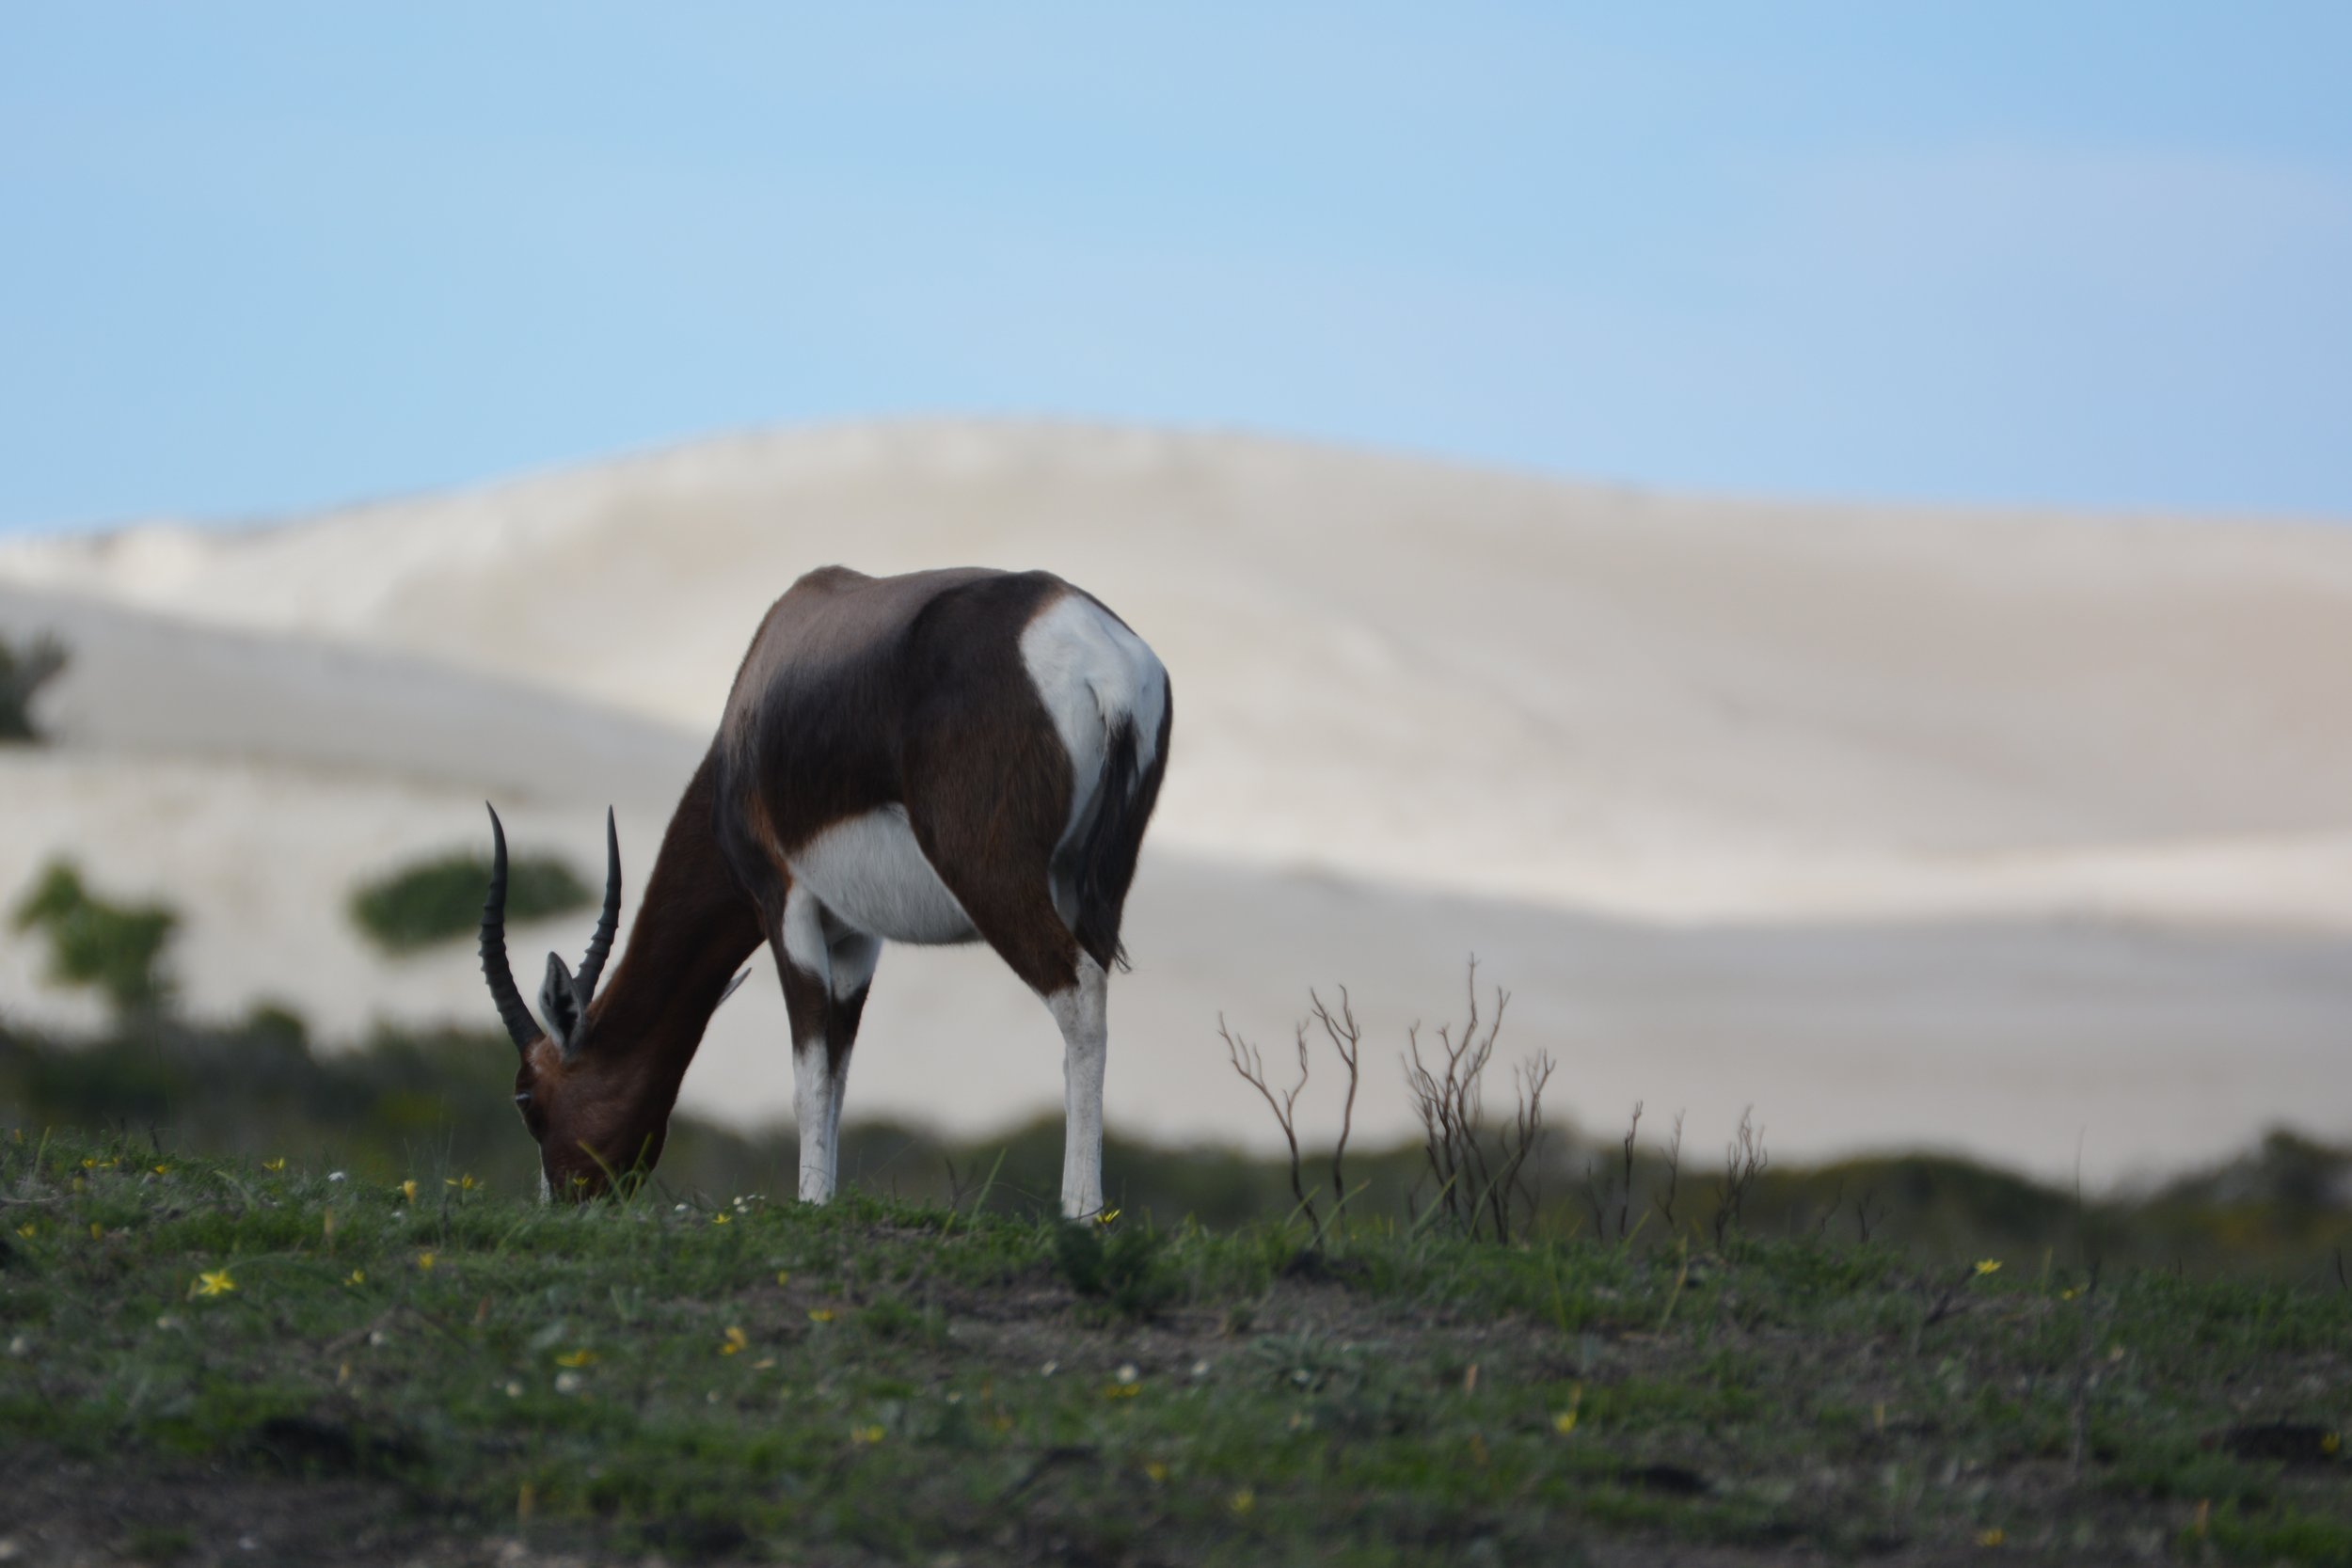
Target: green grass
[395, 1376]
[440, 899]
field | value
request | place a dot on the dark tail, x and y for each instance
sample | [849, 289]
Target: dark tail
[1103, 862]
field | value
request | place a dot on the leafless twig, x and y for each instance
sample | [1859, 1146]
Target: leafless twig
[1248, 1062]
[1829, 1211]
[1346, 1040]
[1862, 1213]
[1665, 1200]
[1744, 1160]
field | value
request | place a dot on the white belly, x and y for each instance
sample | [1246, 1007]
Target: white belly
[869, 873]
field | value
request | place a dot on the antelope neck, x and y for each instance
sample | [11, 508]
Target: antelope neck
[694, 927]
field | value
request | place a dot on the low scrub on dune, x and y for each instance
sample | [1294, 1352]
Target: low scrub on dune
[207, 1359]
[116, 949]
[440, 899]
[24, 669]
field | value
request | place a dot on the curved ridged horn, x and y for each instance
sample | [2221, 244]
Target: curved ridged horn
[600, 943]
[516, 1017]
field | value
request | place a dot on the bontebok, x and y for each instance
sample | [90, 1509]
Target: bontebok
[939, 757]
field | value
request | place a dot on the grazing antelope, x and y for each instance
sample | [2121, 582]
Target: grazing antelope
[939, 757]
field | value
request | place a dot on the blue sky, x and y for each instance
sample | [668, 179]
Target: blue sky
[260, 259]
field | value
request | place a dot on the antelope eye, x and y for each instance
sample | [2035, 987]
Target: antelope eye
[523, 1099]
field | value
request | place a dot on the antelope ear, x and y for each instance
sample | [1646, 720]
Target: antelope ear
[733, 983]
[559, 1003]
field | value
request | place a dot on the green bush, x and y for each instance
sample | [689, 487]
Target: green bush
[440, 899]
[1128, 1270]
[115, 947]
[22, 673]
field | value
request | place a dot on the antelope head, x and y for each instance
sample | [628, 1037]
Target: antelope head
[592, 1120]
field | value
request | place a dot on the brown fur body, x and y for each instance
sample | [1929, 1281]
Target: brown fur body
[857, 696]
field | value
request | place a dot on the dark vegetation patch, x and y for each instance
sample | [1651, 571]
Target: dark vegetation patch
[440, 899]
[24, 668]
[437, 1105]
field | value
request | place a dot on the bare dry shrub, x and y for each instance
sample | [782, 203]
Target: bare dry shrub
[1346, 1040]
[1744, 1161]
[1484, 1187]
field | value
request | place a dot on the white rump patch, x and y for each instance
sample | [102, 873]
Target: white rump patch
[869, 874]
[1092, 673]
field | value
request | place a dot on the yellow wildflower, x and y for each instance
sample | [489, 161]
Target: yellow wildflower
[1106, 1216]
[97, 1231]
[2070, 1293]
[1242, 1501]
[2333, 1444]
[821, 1314]
[718, 1219]
[1988, 1265]
[1990, 1537]
[736, 1340]
[783, 1277]
[1564, 1422]
[583, 1357]
[1155, 1471]
[426, 1260]
[26, 1229]
[214, 1282]
[865, 1436]
[463, 1183]
[278, 1163]
[408, 1189]
[162, 1170]
[357, 1277]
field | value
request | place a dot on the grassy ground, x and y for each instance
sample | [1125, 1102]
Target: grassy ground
[214, 1360]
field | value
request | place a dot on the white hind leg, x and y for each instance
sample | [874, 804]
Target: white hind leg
[1081, 1010]
[853, 956]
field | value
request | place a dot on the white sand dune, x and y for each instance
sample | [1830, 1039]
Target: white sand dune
[1670, 710]
[1986, 831]
[142, 687]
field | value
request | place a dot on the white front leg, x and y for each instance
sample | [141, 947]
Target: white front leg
[1081, 1012]
[816, 1109]
[808, 980]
